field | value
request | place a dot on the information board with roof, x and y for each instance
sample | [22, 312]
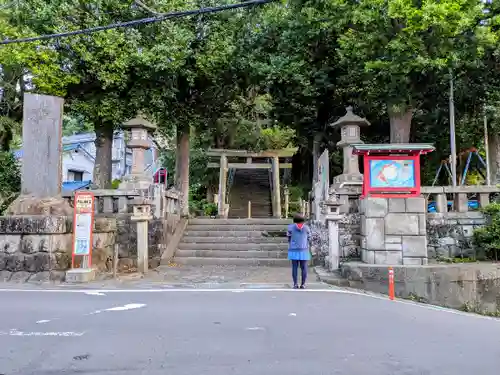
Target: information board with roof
[391, 170]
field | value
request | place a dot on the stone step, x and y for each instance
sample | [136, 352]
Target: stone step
[237, 227]
[201, 221]
[230, 245]
[192, 261]
[228, 234]
[231, 254]
[234, 240]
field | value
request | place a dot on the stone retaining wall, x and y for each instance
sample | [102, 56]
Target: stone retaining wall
[38, 248]
[474, 287]
[450, 235]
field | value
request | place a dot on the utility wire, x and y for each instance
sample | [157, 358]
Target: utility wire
[159, 18]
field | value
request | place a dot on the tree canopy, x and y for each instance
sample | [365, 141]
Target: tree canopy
[259, 77]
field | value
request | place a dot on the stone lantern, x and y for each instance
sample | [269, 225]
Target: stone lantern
[140, 128]
[350, 126]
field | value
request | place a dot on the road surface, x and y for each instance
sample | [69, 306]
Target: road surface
[261, 332]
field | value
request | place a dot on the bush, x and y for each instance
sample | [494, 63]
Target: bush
[210, 209]
[487, 238]
[10, 179]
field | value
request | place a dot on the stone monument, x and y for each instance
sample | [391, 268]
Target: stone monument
[140, 128]
[42, 158]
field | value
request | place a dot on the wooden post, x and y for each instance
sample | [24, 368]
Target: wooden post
[222, 184]
[287, 201]
[276, 186]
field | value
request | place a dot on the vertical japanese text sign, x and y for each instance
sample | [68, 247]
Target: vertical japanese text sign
[83, 223]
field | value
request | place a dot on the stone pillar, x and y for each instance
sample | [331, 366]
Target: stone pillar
[276, 187]
[142, 215]
[331, 212]
[349, 126]
[41, 164]
[222, 185]
[393, 231]
[140, 129]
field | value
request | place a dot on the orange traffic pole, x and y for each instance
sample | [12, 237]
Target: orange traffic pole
[391, 283]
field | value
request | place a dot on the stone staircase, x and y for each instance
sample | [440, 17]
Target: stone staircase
[243, 242]
[250, 185]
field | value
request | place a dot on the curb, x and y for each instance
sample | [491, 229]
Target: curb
[330, 278]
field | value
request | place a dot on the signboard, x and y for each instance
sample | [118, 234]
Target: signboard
[83, 223]
[389, 173]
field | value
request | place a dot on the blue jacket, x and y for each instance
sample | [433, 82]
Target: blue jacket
[298, 238]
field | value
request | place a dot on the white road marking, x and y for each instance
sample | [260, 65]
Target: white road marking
[130, 306]
[59, 334]
[94, 293]
[42, 321]
[292, 314]
[255, 329]
[262, 290]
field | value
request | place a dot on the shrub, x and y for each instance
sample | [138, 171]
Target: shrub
[487, 238]
[10, 179]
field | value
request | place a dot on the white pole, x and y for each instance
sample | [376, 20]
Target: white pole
[453, 144]
[486, 148]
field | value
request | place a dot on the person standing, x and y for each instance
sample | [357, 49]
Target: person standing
[298, 235]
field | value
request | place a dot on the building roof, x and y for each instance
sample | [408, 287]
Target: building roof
[393, 148]
[18, 154]
[75, 185]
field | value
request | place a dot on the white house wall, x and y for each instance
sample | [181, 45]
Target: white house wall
[77, 161]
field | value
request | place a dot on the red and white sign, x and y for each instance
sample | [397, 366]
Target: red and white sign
[83, 223]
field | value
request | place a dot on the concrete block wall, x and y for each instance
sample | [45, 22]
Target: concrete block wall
[393, 231]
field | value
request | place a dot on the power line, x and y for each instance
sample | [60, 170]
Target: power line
[141, 21]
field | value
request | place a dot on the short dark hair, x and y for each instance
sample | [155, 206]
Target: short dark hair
[298, 218]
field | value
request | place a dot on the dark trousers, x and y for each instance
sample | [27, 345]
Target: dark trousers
[295, 269]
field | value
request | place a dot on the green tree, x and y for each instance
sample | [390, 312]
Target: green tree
[402, 51]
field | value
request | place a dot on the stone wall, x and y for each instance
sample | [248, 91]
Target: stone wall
[474, 287]
[38, 248]
[393, 230]
[450, 234]
[349, 237]
[319, 241]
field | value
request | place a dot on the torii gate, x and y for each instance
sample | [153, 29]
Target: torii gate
[224, 165]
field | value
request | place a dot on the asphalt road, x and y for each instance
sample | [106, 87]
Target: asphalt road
[246, 333]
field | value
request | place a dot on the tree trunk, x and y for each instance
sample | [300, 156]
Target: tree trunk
[400, 123]
[103, 150]
[183, 166]
[177, 153]
[494, 156]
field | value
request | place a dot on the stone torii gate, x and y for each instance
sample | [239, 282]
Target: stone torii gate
[224, 165]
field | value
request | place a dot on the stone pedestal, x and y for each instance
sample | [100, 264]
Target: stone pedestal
[139, 142]
[393, 231]
[142, 215]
